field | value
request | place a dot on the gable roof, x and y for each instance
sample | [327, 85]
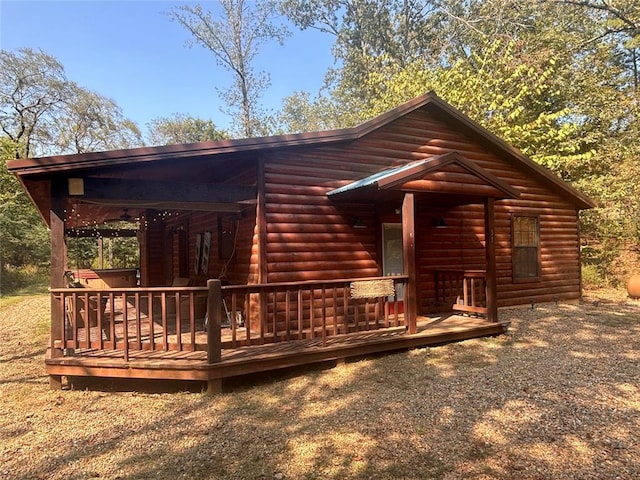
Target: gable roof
[62, 163]
[400, 177]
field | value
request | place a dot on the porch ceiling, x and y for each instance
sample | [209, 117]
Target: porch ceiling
[101, 200]
[447, 178]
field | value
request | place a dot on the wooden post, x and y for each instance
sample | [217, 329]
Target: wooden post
[214, 342]
[257, 322]
[409, 257]
[490, 252]
[100, 252]
[58, 267]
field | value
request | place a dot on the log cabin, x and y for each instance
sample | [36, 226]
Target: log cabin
[411, 229]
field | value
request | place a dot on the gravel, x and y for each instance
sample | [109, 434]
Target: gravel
[557, 397]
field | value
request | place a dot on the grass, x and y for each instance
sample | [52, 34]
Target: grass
[557, 397]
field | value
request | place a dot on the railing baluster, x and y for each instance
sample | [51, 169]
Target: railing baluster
[345, 307]
[234, 316]
[165, 333]
[152, 335]
[138, 321]
[99, 320]
[61, 304]
[125, 326]
[473, 291]
[87, 321]
[356, 315]
[112, 320]
[465, 292]
[324, 315]
[247, 322]
[192, 319]
[335, 310]
[287, 319]
[274, 306]
[312, 319]
[300, 314]
[178, 322]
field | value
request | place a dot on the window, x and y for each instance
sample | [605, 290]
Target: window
[525, 242]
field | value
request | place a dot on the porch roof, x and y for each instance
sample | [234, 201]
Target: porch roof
[450, 173]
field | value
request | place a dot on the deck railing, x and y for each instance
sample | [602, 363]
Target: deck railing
[258, 314]
[462, 290]
[184, 318]
[159, 318]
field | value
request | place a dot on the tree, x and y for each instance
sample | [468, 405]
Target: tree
[300, 113]
[44, 113]
[90, 122]
[33, 87]
[369, 35]
[180, 128]
[234, 37]
[23, 236]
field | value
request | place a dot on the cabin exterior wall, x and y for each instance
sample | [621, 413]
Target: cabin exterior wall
[311, 237]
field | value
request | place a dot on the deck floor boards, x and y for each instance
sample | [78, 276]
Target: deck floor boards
[192, 365]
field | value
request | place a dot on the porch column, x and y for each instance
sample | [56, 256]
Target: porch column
[490, 253]
[58, 267]
[409, 256]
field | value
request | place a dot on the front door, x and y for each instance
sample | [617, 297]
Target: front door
[392, 259]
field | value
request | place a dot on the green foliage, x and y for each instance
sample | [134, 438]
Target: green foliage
[598, 261]
[591, 277]
[81, 253]
[300, 113]
[179, 128]
[117, 253]
[510, 91]
[18, 280]
[91, 122]
[24, 239]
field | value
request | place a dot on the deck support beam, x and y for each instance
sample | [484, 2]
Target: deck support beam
[214, 386]
[409, 258]
[490, 252]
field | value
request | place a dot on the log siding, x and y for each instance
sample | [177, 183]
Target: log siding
[310, 237]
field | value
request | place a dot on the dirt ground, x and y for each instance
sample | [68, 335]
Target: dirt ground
[558, 397]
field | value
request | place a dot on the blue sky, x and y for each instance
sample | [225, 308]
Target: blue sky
[131, 52]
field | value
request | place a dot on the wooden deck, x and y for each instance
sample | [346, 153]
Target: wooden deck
[192, 364]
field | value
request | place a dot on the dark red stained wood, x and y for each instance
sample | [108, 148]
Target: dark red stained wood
[409, 259]
[58, 266]
[152, 250]
[157, 191]
[214, 342]
[295, 250]
[490, 253]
